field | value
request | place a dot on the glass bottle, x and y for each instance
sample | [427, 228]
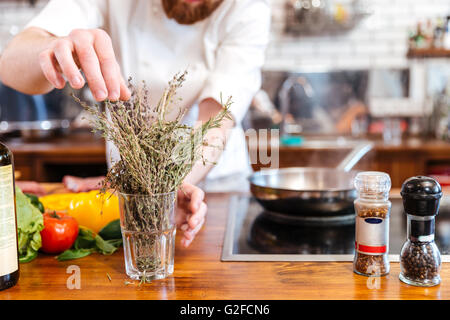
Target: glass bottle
[420, 259]
[372, 223]
[9, 261]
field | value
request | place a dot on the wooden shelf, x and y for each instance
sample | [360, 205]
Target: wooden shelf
[428, 53]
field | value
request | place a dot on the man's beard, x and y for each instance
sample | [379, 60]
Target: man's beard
[188, 13]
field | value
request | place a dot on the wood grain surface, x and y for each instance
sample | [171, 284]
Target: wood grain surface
[199, 274]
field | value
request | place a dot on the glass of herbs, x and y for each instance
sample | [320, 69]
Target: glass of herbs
[157, 151]
[148, 231]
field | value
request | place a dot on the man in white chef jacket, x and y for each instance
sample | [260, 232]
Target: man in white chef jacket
[220, 43]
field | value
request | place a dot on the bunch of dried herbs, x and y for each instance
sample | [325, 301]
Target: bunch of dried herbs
[156, 154]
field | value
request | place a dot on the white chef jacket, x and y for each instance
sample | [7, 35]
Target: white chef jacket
[222, 54]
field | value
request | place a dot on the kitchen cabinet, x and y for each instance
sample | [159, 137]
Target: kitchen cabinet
[84, 154]
[412, 157]
[81, 154]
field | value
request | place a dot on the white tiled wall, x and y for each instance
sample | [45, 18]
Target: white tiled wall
[380, 40]
[14, 15]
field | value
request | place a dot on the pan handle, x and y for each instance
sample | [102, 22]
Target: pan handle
[355, 155]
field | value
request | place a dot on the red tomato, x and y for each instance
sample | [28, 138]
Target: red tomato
[59, 233]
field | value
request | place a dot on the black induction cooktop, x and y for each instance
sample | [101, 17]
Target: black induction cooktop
[254, 235]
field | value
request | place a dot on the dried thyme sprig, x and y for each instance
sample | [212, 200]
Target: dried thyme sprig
[156, 154]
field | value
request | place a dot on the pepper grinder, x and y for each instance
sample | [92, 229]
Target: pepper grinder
[420, 259]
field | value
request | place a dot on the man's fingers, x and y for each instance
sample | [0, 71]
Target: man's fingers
[108, 65]
[89, 63]
[48, 64]
[195, 194]
[185, 242]
[195, 223]
[91, 67]
[92, 51]
[190, 233]
[64, 55]
[198, 216]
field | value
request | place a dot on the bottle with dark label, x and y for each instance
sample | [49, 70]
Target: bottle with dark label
[9, 262]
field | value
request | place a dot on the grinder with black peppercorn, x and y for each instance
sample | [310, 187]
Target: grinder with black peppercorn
[420, 259]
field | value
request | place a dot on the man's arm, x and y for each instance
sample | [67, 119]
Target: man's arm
[208, 109]
[35, 62]
[19, 63]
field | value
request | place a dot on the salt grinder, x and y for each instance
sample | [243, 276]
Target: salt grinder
[372, 224]
[420, 259]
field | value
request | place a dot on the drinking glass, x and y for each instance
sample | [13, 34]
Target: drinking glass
[148, 230]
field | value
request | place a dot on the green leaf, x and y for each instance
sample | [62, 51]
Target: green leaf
[104, 247]
[40, 206]
[85, 239]
[86, 233]
[29, 256]
[86, 243]
[22, 240]
[83, 243]
[35, 202]
[74, 254]
[29, 225]
[111, 231]
[36, 241]
[115, 242]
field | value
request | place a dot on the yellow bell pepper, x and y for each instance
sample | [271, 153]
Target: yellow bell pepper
[91, 209]
[58, 201]
[94, 210]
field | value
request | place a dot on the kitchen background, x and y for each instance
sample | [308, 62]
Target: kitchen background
[378, 40]
[363, 69]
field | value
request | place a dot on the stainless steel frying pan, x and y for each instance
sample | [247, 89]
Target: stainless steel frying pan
[305, 191]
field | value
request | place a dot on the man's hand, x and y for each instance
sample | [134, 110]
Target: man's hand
[92, 51]
[191, 212]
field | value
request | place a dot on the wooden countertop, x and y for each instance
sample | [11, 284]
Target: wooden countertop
[199, 274]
